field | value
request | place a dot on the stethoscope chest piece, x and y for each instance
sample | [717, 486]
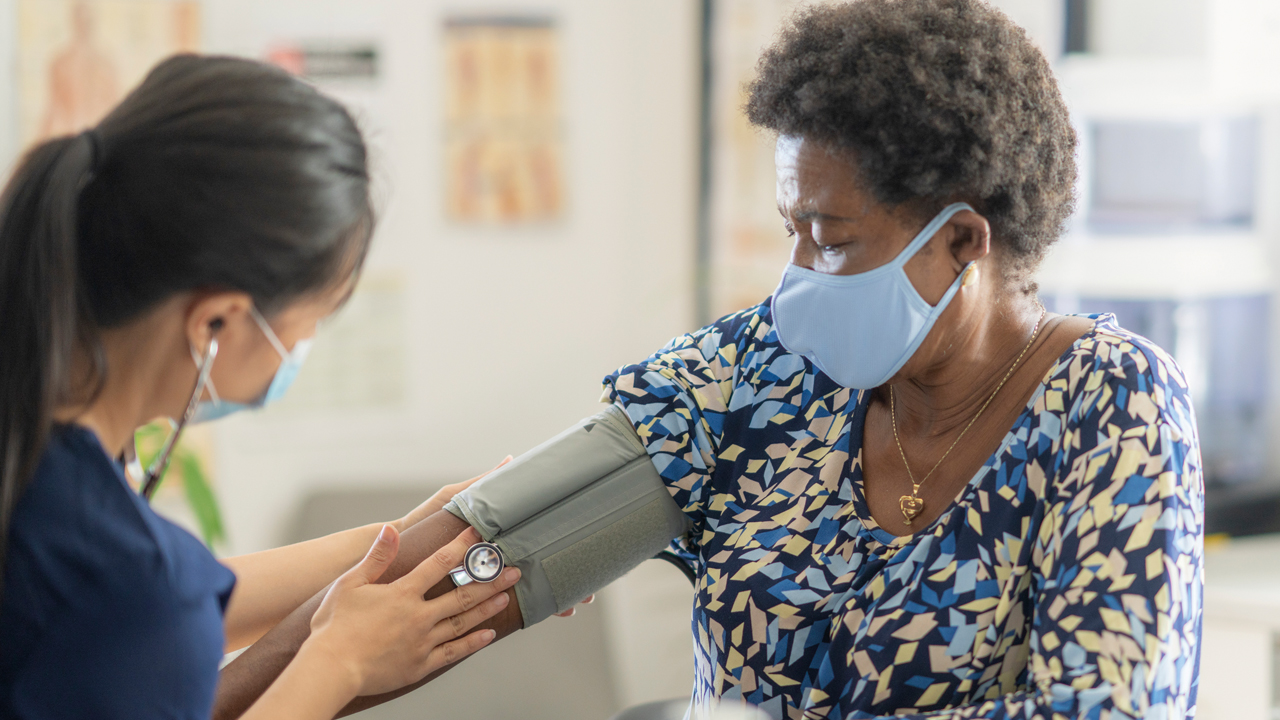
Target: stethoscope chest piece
[482, 563]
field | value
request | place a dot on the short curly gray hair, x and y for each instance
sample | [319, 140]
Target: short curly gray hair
[938, 101]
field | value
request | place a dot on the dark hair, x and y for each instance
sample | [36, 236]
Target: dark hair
[215, 173]
[938, 101]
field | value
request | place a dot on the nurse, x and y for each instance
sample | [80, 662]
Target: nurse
[175, 262]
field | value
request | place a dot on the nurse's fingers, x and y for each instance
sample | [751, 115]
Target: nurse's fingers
[573, 610]
[434, 569]
[460, 600]
[377, 560]
[455, 626]
[451, 652]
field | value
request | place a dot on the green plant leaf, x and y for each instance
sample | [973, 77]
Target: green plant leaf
[188, 467]
[201, 498]
[148, 440]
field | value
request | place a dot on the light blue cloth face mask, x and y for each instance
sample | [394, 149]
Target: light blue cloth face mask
[290, 364]
[859, 329]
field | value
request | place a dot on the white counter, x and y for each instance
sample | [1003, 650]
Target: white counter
[1238, 667]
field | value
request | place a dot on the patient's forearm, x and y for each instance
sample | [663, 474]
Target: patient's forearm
[246, 678]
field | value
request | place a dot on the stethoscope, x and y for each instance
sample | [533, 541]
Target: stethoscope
[482, 563]
[150, 478]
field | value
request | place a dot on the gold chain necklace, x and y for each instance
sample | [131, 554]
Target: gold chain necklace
[912, 505]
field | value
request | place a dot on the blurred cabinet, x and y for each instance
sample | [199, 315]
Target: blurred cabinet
[1178, 215]
[1240, 663]
[1222, 343]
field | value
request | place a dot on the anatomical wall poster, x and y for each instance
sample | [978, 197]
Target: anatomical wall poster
[503, 146]
[78, 58]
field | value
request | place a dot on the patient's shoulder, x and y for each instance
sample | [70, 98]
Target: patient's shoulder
[704, 359]
[1114, 368]
[740, 330]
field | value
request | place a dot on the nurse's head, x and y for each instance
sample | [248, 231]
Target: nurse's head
[222, 198]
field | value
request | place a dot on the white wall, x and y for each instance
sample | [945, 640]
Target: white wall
[506, 332]
[493, 339]
[1148, 27]
[1044, 21]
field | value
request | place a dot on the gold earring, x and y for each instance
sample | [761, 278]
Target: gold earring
[970, 276]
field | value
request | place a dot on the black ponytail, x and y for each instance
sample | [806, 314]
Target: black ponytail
[42, 317]
[215, 173]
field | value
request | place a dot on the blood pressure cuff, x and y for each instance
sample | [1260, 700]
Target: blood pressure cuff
[575, 513]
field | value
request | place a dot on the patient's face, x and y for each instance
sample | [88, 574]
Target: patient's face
[839, 228]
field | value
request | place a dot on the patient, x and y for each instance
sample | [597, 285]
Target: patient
[911, 489]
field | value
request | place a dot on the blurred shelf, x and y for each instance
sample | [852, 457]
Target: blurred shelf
[1155, 266]
[1241, 621]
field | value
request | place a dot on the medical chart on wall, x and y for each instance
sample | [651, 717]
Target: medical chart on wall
[360, 357]
[78, 58]
[749, 247]
[503, 146]
[328, 61]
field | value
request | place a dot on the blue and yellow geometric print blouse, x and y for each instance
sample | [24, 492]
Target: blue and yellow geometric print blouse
[1065, 581]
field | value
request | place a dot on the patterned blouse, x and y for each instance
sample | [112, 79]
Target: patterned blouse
[1066, 581]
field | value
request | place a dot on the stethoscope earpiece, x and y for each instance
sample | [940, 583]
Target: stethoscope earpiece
[150, 478]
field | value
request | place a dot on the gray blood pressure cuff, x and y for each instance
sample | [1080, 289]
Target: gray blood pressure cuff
[575, 513]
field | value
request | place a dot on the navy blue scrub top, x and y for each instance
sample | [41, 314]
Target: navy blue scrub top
[109, 611]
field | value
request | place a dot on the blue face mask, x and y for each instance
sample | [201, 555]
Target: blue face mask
[859, 329]
[290, 364]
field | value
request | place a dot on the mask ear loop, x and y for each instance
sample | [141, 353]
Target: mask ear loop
[271, 334]
[151, 478]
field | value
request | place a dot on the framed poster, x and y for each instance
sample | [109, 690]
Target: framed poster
[748, 247]
[78, 58]
[503, 149]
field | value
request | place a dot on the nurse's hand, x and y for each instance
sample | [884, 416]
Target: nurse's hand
[573, 610]
[388, 636]
[436, 503]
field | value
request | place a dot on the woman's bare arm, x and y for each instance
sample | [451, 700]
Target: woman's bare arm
[248, 676]
[273, 583]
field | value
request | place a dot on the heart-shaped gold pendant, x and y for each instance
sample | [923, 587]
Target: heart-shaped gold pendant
[911, 507]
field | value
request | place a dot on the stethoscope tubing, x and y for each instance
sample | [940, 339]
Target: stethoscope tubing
[151, 478]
